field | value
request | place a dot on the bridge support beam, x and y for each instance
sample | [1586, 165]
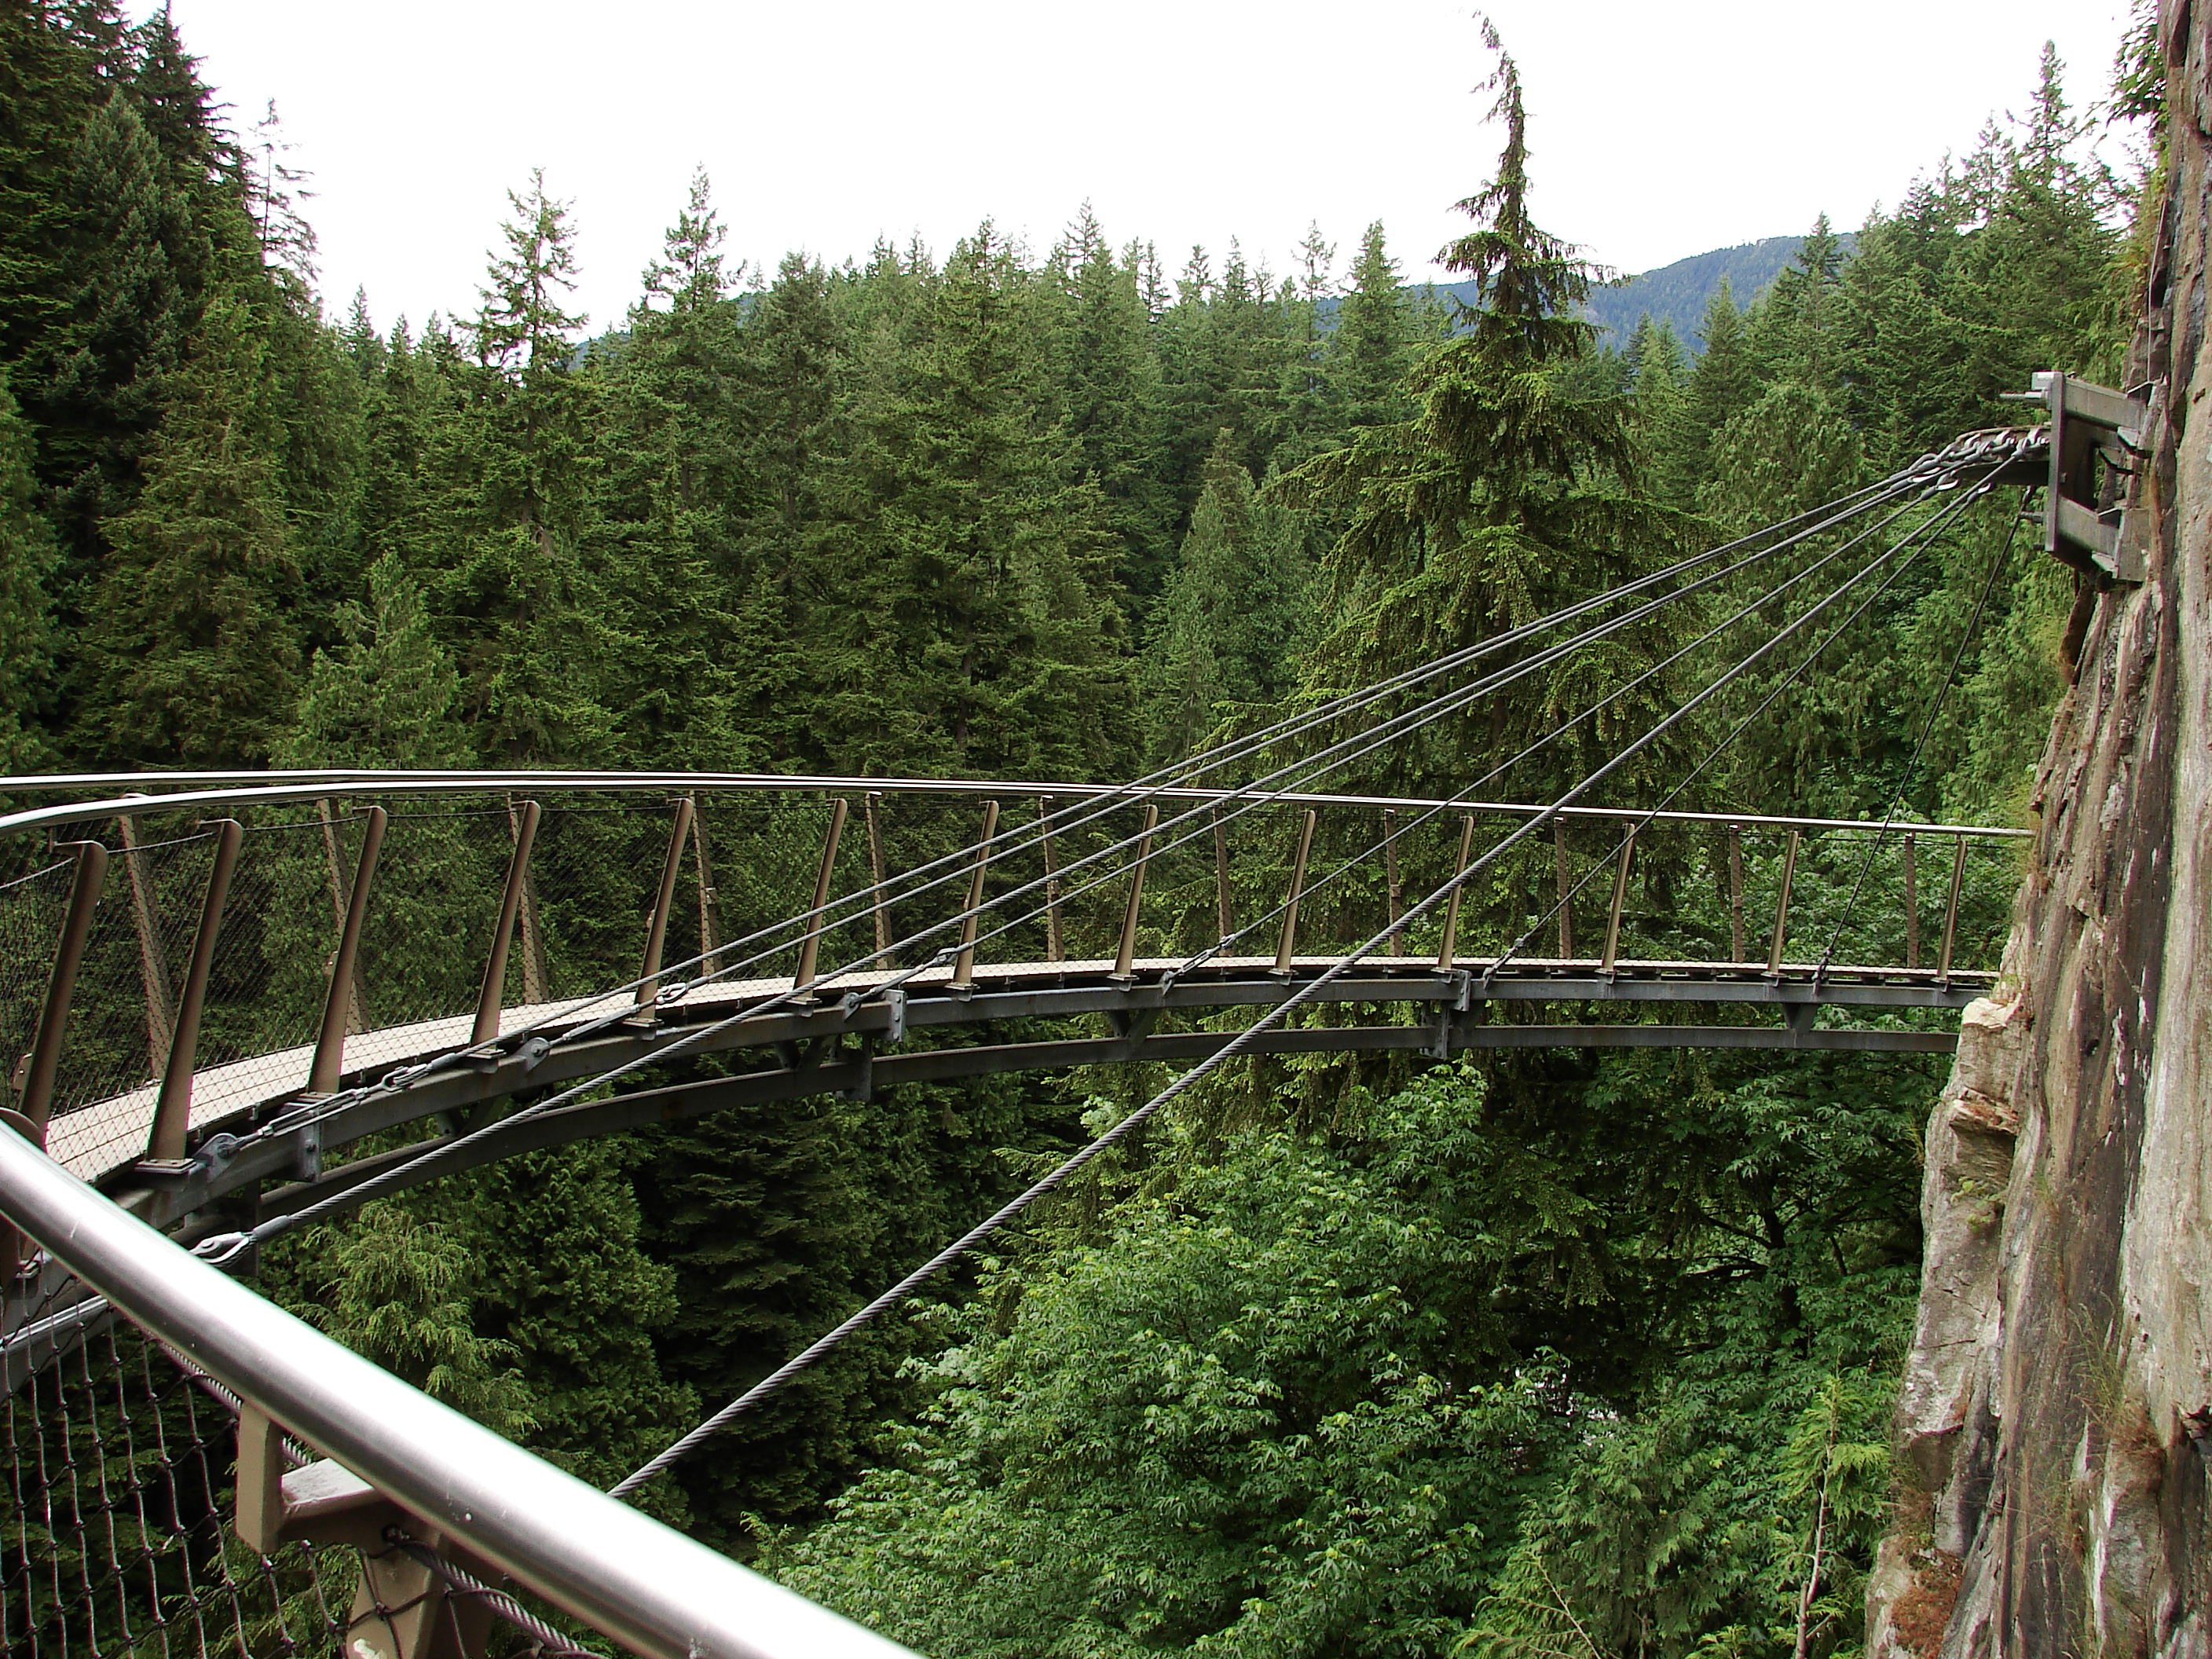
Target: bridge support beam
[1288, 944]
[656, 926]
[1781, 908]
[809, 953]
[964, 967]
[173, 1110]
[493, 993]
[1125, 952]
[330, 1046]
[1450, 941]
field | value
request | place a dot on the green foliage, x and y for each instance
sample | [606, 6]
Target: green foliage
[27, 558]
[1232, 624]
[386, 697]
[1486, 1357]
[194, 648]
[396, 1289]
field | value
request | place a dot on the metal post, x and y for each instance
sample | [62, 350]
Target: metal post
[1125, 955]
[1451, 905]
[1782, 906]
[1226, 916]
[37, 1097]
[1951, 907]
[1912, 905]
[173, 1111]
[1055, 946]
[502, 937]
[710, 931]
[1566, 890]
[964, 968]
[1289, 938]
[355, 1020]
[876, 876]
[656, 926]
[1394, 892]
[1619, 897]
[809, 953]
[535, 980]
[330, 1047]
[1735, 892]
[153, 964]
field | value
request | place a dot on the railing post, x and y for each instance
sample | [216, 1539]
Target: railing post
[355, 1020]
[1290, 937]
[1911, 904]
[173, 1110]
[1566, 890]
[656, 926]
[37, 1100]
[1395, 894]
[1782, 906]
[703, 870]
[152, 965]
[809, 953]
[1445, 951]
[502, 937]
[1056, 945]
[876, 876]
[1620, 898]
[1224, 913]
[1125, 954]
[1951, 908]
[330, 1046]
[535, 980]
[1736, 891]
[963, 968]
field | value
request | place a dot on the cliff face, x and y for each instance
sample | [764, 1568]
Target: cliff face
[2056, 1424]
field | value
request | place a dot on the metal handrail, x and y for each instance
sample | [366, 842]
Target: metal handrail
[325, 786]
[643, 1584]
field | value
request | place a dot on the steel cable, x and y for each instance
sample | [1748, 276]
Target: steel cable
[1239, 1044]
[1365, 743]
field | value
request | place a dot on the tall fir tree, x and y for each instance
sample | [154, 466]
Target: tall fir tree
[27, 558]
[1229, 629]
[529, 650]
[1498, 501]
[1370, 350]
[193, 653]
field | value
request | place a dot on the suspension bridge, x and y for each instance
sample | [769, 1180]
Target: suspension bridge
[221, 991]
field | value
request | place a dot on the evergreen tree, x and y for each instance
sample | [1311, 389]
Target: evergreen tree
[1497, 503]
[27, 557]
[99, 391]
[676, 488]
[994, 630]
[1657, 379]
[529, 648]
[1109, 380]
[399, 1289]
[792, 691]
[193, 650]
[1230, 626]
[388, 695]
[1370, 350]
[1723, 383]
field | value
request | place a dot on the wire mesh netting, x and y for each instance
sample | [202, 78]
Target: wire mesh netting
[116, 1522]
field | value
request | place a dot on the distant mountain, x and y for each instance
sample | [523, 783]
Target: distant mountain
[1677, 294]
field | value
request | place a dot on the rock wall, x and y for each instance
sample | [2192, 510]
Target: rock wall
[2055, 1428]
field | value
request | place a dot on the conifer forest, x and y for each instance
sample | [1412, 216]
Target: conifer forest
[1559, 1352]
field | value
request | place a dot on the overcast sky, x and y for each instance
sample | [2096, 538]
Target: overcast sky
[1658, 129]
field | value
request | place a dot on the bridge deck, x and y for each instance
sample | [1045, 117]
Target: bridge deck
[105, 1139]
